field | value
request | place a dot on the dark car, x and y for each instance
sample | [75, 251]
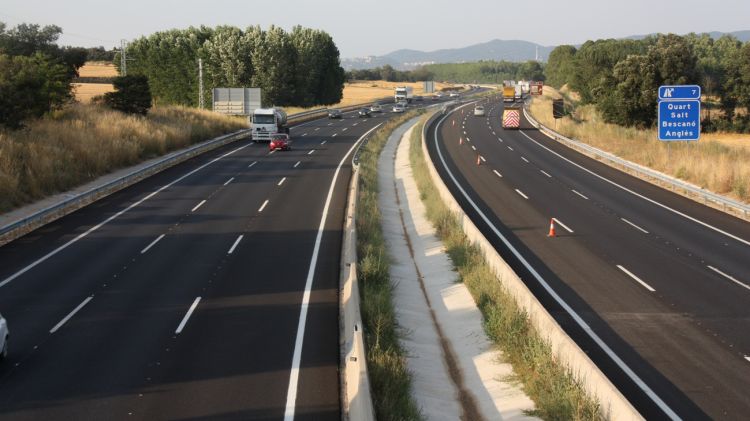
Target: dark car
[364, 112]
[418, 98]
[334, 113]
[280, 141]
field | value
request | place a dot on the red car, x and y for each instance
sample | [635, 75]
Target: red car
[280, 141]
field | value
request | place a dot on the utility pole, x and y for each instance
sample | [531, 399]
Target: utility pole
[200, 83]
[123, 58]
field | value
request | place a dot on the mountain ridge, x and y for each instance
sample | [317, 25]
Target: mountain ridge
[496, 49]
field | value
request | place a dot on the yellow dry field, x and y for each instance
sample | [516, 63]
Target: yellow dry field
[85, 91]
[98, 69]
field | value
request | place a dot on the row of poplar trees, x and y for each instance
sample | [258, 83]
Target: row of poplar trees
[621, 77]
[296, 68]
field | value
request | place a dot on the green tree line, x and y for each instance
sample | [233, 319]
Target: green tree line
[621, 77]
[475, 72]
[35, 73]
[300, 67]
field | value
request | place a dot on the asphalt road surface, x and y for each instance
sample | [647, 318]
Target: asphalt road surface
[662, 281]
[208, 291]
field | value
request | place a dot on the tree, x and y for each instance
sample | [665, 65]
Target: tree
[560, 65]
[274, 65]
[31, 86]
[132, 95]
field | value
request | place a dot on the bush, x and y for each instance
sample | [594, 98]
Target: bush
[132, 95]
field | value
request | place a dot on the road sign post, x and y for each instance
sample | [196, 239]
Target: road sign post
[679, 113]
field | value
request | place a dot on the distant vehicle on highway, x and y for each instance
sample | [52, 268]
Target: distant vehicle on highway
[363, 112]
[439, 95]
[479, 111]
[398, 108]
[404, 104]
[418, 98]
[435, 97]
[280, 141]
[403, 93]
[453, 94]
[334, 113]
[267, 121]
[376, 108]
[4, 337]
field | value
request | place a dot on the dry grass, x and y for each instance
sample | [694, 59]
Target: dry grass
[84, 92]
[98, 69]
[718, 162]
[82, 142]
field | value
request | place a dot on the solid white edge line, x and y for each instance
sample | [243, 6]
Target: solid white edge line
[297, 164]
[251, 165]
[577, 318]
[497, 173]
[291, 395]
[282, 181]
[71, 314]
[311, 152]
[522, 195]
[153, 243]
[545, 173]
[187, 316]
[198, 206]
[580, 194]
[236, 242]
[627, 272]
[634, 225]
[563, 225]
[111, 218]
[648, 199]
[263, 206]
[229, 181]
[731, 278]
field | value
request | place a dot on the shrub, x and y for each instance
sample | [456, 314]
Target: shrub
[132, 95]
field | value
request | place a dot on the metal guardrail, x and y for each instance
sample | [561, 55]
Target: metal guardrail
[44, 216]
[690, 190]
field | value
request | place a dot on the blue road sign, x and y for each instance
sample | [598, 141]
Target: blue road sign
[679, 120]
[669, 92]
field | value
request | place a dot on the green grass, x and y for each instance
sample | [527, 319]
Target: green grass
[557, 393]
[386, 359]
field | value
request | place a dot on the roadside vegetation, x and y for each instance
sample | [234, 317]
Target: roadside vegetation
[718, 162]
[81, 142]
[390, 379]
[553, 388]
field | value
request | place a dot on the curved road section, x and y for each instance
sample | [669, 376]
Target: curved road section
[208, 291]
[653, 286]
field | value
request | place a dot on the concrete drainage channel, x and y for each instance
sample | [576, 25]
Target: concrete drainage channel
[596, 384]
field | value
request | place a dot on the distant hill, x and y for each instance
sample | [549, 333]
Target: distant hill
[509, 50]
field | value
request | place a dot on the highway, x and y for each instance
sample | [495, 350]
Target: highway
[208, 291]
[662, 281]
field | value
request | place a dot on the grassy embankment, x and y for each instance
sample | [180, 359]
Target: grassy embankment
[718, 162]
[386, 359]
[553, 388]
[82, 142]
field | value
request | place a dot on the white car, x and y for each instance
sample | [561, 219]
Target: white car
[376, 108]
[453, 94]
[479, 110]
[4, 336]
[398, 108]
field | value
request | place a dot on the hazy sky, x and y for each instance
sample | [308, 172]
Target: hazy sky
[376, 27]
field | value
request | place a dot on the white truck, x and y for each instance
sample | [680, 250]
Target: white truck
[266, 122]
[403, 93]
[518, 92]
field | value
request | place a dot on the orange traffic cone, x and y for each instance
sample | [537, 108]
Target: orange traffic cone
[479, 160]
[552, 228]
